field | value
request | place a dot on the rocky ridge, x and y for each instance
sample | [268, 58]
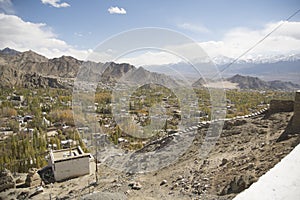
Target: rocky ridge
[29, 69]
[253, 83]
[248, 82]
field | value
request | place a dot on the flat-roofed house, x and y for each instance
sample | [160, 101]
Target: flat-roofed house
[70, 163]
[17, 100]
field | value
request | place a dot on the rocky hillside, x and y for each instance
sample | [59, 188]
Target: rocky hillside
[29, 69]
[246, 150]
[142, 76]
[248, 82]
[115, 71]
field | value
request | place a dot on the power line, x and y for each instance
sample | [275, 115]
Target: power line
[258, 42]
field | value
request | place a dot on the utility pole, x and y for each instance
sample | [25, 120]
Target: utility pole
[50, 195]
[96, 159]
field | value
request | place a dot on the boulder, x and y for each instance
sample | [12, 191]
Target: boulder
[237, 184]
[6, 180]
[163, 182]
[228, 125]
[239, 122]
[224, 161]
[36, 191]
[33, 178]
[135, 185]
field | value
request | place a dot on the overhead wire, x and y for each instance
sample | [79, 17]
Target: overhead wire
[257, 43]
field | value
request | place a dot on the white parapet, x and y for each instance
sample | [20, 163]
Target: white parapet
[282, 182]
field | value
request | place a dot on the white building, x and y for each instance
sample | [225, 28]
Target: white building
[70, 163]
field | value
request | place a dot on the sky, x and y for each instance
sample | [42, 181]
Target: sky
[76, 27]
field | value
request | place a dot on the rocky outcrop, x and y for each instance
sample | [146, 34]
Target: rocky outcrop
[142, 76]
[229, 124]
[248, 82]
[237, 185]
[135, 185]
[115, 71]
[6, 180]
[33, 178]
[29, 69]
[35, 80]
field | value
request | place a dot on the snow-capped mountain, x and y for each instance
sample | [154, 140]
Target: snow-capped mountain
[257, 59]
[268, 67]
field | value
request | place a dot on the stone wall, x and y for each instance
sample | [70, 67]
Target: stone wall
[33, 178]
[6, 180]
[277, 106]
[296, 117]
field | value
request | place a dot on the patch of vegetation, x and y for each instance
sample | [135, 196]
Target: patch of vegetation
[27, 146]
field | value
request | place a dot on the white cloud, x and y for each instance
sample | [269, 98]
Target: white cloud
[6, 6]
[22, 36]
[285, 40]
[116, 10]
[150, 58]
[56, 3]
[194, 28]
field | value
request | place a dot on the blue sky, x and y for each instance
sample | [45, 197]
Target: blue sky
[79, 25]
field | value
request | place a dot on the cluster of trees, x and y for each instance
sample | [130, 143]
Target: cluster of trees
[23, 151]
[103, 97]
[246, 102]
[242, 102]
[116, 135]
[62, 115]
[9, 112]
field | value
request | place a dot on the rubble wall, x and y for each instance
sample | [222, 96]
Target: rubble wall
[277, 106]
[296, 118]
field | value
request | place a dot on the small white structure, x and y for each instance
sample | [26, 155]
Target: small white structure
[52, 133]
[17, 100]
[46, 122]
[70, 163]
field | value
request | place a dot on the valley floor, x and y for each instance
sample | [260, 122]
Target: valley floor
[246, 150]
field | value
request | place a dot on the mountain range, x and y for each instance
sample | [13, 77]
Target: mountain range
[280, 67]
[29, 69]
[258, 59]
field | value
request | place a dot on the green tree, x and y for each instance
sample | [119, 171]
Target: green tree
[13, 125]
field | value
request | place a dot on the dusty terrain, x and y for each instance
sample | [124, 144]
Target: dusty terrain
[246, 150]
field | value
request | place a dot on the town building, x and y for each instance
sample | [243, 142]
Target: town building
[17, 100]
[71, 163]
